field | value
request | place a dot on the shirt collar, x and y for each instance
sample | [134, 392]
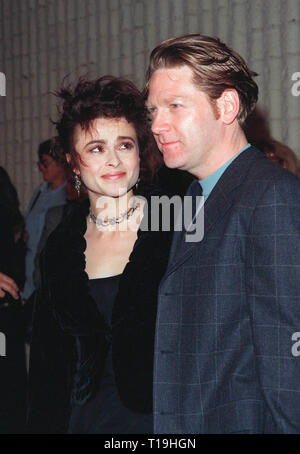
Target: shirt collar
[209, 182]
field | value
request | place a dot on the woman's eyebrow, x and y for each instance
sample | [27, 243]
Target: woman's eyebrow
[95, 141]
[126, 138]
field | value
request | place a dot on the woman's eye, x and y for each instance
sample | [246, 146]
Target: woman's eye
[96, 149]
[126, 146]
[175, 106]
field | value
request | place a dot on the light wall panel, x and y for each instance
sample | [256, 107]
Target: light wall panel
[44, 41]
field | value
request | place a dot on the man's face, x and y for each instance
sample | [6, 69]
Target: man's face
[184, 124]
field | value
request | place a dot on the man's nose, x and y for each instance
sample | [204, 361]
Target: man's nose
[113, 159]
[160, 123]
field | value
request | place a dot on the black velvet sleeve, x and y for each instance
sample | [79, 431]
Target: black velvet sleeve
[51, 369]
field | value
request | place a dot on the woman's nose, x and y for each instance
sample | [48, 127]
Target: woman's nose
[113, 159]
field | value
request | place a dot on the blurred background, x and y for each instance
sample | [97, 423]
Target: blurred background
[43, 41]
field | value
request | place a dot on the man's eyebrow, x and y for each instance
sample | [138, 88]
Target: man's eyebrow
[172, 97]
[169, 99]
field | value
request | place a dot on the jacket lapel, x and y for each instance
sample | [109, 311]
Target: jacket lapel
[215, 207]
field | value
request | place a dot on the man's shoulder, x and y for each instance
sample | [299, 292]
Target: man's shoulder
[270, 176]
[253, 179]
[257, 171]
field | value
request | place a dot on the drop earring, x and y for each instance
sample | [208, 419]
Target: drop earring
[77, 184]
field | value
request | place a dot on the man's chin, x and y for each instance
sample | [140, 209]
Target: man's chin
[173, 164]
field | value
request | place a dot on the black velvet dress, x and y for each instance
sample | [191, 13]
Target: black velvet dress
[104, 413]
[78, 335]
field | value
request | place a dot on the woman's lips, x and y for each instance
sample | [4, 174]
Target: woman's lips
[113, 176]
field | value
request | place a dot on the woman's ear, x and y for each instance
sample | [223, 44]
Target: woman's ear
[228, 105]
[69, 160]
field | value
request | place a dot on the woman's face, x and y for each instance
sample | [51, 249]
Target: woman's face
[109, 156]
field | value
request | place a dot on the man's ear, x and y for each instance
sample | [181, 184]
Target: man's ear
[68, 158]
[228, 105]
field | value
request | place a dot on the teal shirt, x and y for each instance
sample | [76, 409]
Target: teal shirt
[209, 182]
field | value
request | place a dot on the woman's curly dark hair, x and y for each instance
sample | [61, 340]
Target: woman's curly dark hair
[107, 97]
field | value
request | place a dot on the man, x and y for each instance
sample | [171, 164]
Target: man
[229, 305]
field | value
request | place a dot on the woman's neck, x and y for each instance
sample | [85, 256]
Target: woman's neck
[110, 207]
[112, 210]
[115, 213]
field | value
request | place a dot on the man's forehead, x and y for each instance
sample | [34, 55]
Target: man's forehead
[172, 74]
[172, 83]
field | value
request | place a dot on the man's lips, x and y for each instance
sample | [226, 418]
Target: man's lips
[113, 176]
[166, 145]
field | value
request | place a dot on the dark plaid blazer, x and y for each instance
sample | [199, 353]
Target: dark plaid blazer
[228, 307]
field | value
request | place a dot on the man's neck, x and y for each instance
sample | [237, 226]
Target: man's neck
[228, 149]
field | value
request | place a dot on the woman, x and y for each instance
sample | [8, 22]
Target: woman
[100, 273]
[51, 192]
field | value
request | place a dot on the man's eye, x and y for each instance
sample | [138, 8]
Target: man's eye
[151, 110]
[175, 106]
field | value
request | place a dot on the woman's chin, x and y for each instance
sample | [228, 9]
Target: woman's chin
[114, 193]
